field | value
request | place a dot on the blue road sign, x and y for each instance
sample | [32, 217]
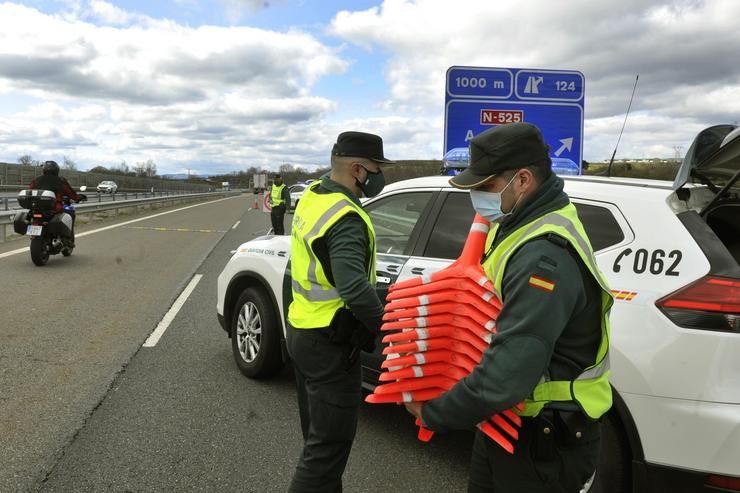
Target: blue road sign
[478, 98]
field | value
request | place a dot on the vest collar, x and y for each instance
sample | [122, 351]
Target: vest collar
[331, 186]
[547, 198]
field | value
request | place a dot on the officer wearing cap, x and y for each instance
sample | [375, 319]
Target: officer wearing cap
[279, 201]
[335, 310]
[550, 350]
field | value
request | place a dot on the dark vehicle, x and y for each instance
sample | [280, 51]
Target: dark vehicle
[51, 232]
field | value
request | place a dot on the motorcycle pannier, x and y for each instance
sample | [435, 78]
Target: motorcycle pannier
[20, 223]
[38, 200]
[61, 225]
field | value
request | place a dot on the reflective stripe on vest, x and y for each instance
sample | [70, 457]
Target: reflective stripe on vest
[591, 389]
[315, 299]
[276, 195]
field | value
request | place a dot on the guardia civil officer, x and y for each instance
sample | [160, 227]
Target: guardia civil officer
[551, 346]
[335, 310]
[279, 201]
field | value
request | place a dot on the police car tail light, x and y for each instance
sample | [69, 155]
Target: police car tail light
[711, 303]
[727, 483]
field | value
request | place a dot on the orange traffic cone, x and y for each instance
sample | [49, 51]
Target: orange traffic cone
[466, 266]
[440, 325]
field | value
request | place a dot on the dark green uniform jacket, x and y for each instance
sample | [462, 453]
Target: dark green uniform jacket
[285, 196]
[343, 255]
[537, 331]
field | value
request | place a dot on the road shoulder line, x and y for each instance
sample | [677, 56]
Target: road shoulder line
[172, 313]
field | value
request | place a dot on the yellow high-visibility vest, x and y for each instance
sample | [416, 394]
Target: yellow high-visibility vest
[276, 195]
[591, 389]
[315, 299]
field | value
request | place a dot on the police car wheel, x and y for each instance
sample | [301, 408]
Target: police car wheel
[255, 335]
[613, 473]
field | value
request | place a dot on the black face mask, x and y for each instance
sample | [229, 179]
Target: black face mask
[278, 182]
[373, 184]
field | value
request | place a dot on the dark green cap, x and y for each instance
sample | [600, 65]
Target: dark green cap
[501, 148]
[360, 144]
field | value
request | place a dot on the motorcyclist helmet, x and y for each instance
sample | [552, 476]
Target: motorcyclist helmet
[51, 168]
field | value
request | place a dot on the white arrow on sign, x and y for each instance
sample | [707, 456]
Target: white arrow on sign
[567, 144]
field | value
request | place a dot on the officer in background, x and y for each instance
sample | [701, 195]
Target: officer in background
[50, 180]
[279, 201]
[551, 344]
[335, 310]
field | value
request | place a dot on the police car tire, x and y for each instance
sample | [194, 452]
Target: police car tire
[269, 360]
[613, 473]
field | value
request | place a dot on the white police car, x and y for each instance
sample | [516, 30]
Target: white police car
[670, 253]
[296, 192]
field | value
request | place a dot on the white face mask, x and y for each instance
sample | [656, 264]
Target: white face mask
[488, 204]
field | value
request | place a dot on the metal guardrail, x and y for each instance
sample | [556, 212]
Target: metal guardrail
[6, 216]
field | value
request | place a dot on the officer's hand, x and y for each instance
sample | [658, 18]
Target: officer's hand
[414, 408]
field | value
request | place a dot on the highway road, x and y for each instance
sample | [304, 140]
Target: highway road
[84, 407]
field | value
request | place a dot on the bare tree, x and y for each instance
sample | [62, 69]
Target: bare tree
[140, 169]
[69, 164]
[150, 168]
[26, 160]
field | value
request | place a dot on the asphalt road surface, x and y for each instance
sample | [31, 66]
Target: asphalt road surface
[84, 407]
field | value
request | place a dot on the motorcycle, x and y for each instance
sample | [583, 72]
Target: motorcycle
[51, 232]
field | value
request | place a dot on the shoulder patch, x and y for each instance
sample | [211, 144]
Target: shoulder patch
[541, 283]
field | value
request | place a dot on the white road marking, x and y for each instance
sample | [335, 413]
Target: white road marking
[172, 313]
[235, 225]
[80, 235]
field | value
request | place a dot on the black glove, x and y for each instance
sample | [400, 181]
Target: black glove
[81, 197]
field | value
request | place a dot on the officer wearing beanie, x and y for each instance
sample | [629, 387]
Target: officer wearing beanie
[335, 311]
[550, 350]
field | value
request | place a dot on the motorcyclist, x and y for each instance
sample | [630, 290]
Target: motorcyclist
[51, 180]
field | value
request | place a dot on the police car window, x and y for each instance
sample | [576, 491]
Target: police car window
[452, 226]
[601, 227]
[394, 219]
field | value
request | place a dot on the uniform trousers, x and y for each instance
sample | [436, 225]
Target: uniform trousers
[556, 453]
[329, 397]
[277, 216]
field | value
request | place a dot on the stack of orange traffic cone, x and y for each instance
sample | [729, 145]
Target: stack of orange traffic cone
[441, 325]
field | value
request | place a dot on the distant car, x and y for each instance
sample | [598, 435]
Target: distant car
[296, 192]
[107, 187]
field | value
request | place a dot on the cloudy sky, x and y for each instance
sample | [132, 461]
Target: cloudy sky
[221, 85]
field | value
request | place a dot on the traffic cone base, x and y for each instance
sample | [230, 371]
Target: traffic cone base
[489, 304]
[476, 313]
[409, 384]
[430, 357]
[442, 287]
[401, 397]
[446, 319]
[479, 338]
[428, 369]
[425, 345]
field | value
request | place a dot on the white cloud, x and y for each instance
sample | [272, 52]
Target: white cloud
[108, 13]
[108, 84]
[139, 88]
[684, 50]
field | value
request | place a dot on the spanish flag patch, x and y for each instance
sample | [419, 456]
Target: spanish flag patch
[541, 283]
